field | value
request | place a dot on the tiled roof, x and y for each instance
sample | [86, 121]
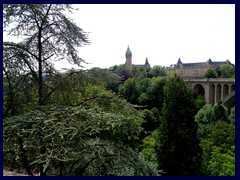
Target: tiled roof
[201, 64]
[143, 65]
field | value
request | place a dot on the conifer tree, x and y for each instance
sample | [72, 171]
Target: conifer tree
[179, 152]
[48, 36]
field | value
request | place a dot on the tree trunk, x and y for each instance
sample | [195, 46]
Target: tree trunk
[24, 159]
[40, 82]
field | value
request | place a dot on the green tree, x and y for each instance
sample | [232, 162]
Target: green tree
[217, 149]
[157, 71]
[123, 71]
[199, 102]
[155, 92]
[232, 115]
[210, 73]
[78, 141]
[203, 118]
[128, 90]
[77, 86]
[150, 92]
[142, 86]
[20, 93]
[226, 71]
[98, 137]
[148, 150]
[48, 35]
[222, 134]
[208, 114]
[216, 130]
[179, 152]
[220, 112]
[222, 164]
[139, 72]
[150, 122]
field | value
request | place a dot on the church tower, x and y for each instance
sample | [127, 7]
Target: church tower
[128, 58]
[146, 63]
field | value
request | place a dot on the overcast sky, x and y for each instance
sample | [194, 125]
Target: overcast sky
[160, 32]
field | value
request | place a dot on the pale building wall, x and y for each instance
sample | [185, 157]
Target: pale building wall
[197, 72]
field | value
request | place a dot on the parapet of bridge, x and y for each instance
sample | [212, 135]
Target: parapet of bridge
[214, 89]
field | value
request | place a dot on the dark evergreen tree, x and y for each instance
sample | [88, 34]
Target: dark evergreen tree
[178, 150]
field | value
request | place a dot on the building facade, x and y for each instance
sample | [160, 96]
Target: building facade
[194, 70]
[185, 70]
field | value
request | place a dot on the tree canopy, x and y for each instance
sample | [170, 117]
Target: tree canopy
[179, 152]
[47, 36]
[222, 71]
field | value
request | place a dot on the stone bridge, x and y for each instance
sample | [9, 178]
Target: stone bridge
[215, 89]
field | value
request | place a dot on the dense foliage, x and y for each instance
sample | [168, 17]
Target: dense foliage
[179, 152]
[216, 130]
[76, 141]
[48, 35]
[222, 71]
[110, 122]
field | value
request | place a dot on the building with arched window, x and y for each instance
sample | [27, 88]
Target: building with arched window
[194, 70]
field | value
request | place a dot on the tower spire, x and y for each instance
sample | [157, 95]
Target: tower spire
[128, 56]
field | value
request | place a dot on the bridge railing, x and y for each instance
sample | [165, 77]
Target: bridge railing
[231, 80]
[222, 79]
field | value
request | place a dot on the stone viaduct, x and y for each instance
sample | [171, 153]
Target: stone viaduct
[215, 89]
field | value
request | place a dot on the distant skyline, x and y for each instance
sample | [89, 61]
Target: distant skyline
[160, 32]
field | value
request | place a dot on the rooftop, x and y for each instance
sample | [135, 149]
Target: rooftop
[200, 64]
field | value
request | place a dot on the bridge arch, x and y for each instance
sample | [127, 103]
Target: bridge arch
[213, 89]
[198, 89]
[225, 90]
